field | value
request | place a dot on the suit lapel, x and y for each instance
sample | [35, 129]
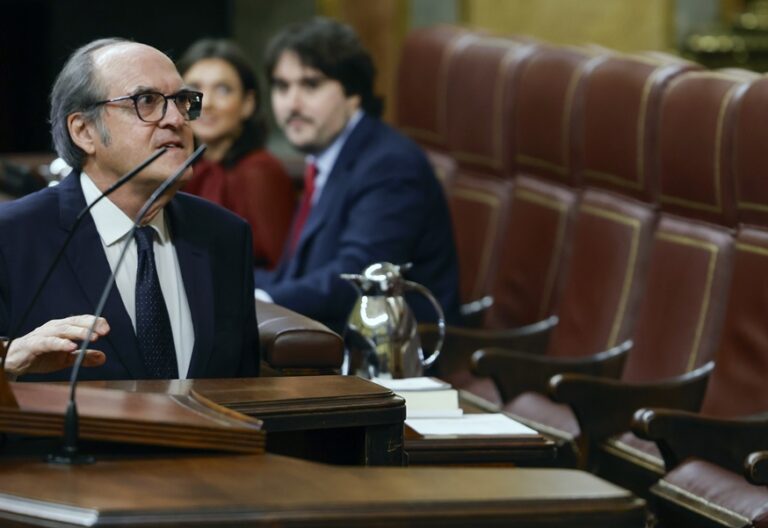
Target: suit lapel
[89, 265]
[336, 180]
[195, 265]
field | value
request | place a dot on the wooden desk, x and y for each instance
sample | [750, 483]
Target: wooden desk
[513, 450]
[275, 491]
[336, 419]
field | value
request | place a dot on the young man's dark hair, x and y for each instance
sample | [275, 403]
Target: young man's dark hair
[335, 50]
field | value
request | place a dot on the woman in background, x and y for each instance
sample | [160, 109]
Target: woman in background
[236, 171]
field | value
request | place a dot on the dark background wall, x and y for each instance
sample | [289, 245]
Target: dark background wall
[37, 36]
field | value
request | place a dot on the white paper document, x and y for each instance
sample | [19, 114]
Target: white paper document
[469, 424]
[422, 383]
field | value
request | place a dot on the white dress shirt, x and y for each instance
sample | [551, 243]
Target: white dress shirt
[113, 226]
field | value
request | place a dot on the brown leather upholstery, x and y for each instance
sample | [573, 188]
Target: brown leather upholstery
[750, 140]
[606, 273]
[682, 304]
[616, 129]
[683, 313]
[479, 208]
[737, 384]
[539, 106]
[477, 126]
[713, 493]
[702, 150]
[294, 342]
[421, 82]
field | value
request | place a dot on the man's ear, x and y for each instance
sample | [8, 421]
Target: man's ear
[354, 102]
[82, 132]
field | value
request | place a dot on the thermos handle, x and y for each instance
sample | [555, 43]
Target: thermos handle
[440, 320]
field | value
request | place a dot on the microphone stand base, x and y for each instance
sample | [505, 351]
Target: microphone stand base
[69, 459]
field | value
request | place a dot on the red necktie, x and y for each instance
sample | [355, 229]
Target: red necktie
[306, 204]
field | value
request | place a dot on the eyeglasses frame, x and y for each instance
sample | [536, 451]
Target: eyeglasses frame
[135, 97]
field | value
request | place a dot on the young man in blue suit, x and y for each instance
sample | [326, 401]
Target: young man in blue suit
[370, 193]
[182, 304]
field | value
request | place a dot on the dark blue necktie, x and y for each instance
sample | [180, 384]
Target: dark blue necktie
[153, 326]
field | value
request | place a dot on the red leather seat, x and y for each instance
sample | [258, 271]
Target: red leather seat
[617, 96]
[705, 453]
[533, 110]
[697, 191]
[539, 112]
[421, 85]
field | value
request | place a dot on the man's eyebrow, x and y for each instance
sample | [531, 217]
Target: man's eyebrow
[143, 89]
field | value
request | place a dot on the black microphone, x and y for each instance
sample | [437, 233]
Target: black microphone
[69, 453]
[112, 188]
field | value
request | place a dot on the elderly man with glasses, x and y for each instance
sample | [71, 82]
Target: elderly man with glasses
[182, 303]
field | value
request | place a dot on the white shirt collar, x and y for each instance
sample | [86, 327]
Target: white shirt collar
[325, 160]
[112, 224]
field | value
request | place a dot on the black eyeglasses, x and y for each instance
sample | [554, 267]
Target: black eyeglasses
[151, 106]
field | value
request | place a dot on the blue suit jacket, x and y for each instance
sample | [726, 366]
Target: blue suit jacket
[381, 202]
[215, 256]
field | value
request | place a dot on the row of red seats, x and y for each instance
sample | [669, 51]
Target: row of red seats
[614, 208]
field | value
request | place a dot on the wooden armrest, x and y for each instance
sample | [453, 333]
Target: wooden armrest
[517, 372]
[473, 312]
[292, 341]
[460, 343]
[756, 468]
[605, 407]
[681, 435]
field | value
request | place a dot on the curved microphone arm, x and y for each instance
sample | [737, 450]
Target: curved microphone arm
[103, 300]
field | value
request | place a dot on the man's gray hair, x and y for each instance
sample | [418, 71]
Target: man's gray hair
[76, 89]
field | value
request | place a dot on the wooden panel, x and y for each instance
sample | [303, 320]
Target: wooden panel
[381, 25]
[270, 490]
[585, 21]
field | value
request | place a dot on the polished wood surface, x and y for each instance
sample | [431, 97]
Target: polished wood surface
[517, 450]
[339, 419]
[275, 491]
[183, 420]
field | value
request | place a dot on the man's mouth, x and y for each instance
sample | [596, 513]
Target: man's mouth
[171, 144]
[298, 120]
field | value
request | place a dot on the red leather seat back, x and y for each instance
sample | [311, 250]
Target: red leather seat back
[538, 109]
[614, 140]
[737, 385]
[605, 275]
[681, 317]
[616, 129]
[477, 127]
[479, 208]
[421, 82]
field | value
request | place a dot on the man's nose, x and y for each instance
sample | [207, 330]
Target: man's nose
[173, 116]
[294, 97]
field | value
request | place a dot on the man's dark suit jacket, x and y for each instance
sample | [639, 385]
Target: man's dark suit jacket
[381, 202]
[215, 257]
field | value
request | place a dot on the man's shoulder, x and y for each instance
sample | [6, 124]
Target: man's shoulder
[37, 205]
[380, 139]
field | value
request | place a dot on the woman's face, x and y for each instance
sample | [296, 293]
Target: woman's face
[225, 106]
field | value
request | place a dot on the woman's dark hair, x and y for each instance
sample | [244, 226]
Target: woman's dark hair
[334, 49]
[254, 134]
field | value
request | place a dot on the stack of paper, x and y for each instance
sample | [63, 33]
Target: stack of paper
[425, 397]
[470, 424]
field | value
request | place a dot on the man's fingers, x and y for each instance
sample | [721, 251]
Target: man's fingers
[94, 358]
[78, 321]
[44, 344]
